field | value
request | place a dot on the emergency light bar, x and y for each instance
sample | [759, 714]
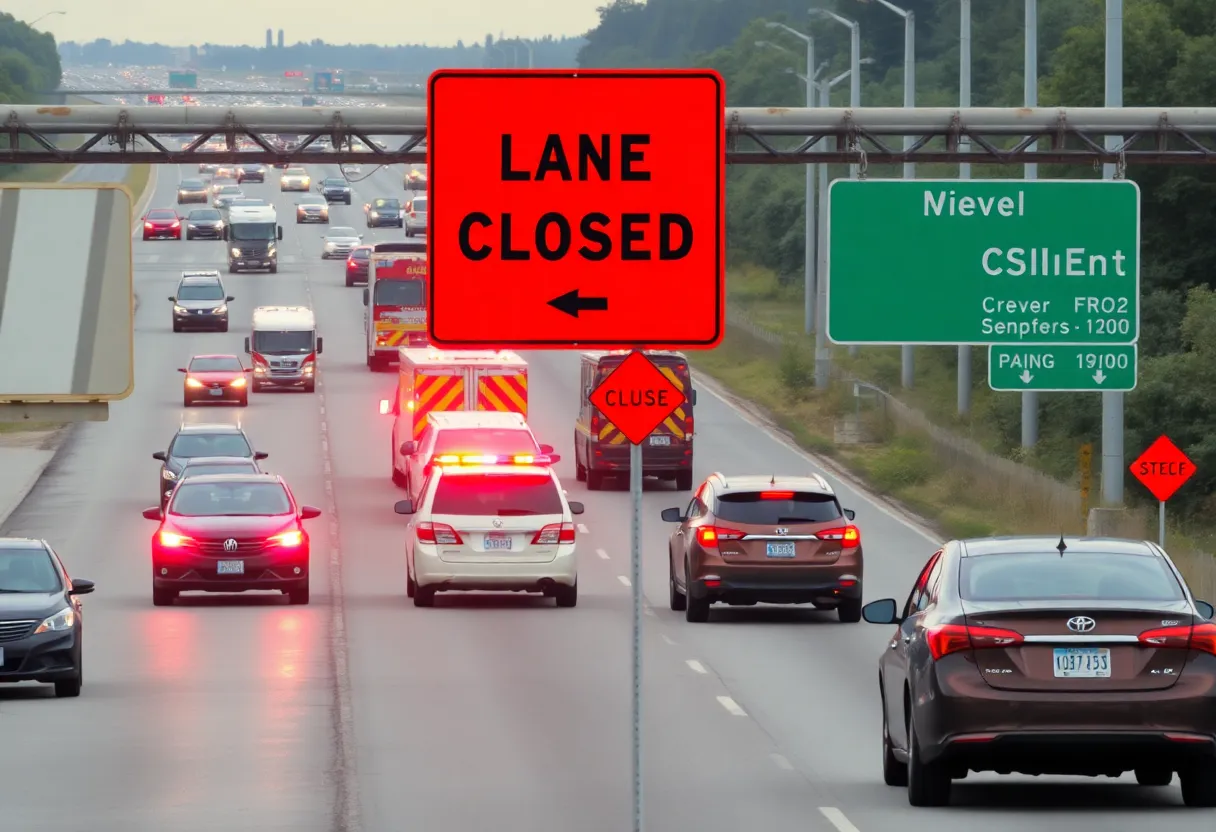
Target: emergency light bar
[491, 459]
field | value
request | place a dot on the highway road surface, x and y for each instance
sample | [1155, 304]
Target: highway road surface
[361, 712]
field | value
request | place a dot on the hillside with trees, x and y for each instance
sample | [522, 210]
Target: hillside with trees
[29, 64]
[1170, 61]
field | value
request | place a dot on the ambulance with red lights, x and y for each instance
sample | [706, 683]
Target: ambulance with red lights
[432, 380]
[394, 301]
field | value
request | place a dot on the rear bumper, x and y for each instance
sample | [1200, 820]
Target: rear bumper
[816, 585]
[193, 573]
[46, 657]
[313, 217]
[430, 571]
[656, 460]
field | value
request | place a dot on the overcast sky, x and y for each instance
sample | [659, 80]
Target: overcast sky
[388, 22]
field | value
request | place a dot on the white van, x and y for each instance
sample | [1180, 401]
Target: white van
[284, 348]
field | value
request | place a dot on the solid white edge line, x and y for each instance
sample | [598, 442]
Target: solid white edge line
[836, 818]
[603, 555]
[783, 763]
[582, 529]
[732, 707]
[623, 580]
[696, 666]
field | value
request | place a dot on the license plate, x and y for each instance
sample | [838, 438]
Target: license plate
[497, 541]
[215, 391]
[230, 567]
[660, 439]
[780, 550]
[1082, 662]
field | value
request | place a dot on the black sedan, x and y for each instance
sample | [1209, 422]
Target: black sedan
[251, 173]
[205, 224]
[40, 617]
[335, 190]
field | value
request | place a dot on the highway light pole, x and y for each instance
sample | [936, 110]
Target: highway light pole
[1113, 469]
[808, 249]
[41, 18]
[964, 172]
[1030, 76]
[907, 356]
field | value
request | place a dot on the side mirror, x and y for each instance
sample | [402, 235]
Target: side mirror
[160, 455]
[229, 299]
[182, 370]
[849, 513]
[554, 458]
[577, 508]
[225, 233]
[408, 448]
[247, 352]
[280, 232]
[320, 345]
[546, 449]
[885, 611]
[365, 297]
[81, 587]
[672, 515]
[260, 455]
[153, 513]
[309, 512]
[404, 507]
[692, 398]
[173, 298]
[1205, 609]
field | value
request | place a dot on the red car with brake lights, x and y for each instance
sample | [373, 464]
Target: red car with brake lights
[231, 533]
[215, 378]
[162, 224]
[357, 264]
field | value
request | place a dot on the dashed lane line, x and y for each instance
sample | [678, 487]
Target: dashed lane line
[623, 580]
[836, 818]
[603, 555]
[582, 529]
[696, 666]
[782, 763]
[732, 707]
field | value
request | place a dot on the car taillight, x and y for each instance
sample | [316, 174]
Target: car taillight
[776, 495]
[440, 533]
[849, 536]
[172, 540]
[953, 638]
[553, 534]
[239, 382]
[708, 536]
[596, 424]
[351, 265]
[413, 215]
[289, 539]
[1200, 637]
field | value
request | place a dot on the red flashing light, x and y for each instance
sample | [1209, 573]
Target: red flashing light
[438, 533]
[849, 536]
[1200, 637]
[954, 638]
[708, 536]
[490, 459]
[776, 495]
[554, 534]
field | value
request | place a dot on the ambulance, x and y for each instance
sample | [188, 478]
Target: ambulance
[394, 301]
[433, 381]
[600, 450]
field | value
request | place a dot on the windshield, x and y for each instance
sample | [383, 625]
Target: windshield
[486, 441]
[400, 293]
[239, 230]
[296, 342]
[208, 468]
[161, 214]
[361, 254]
[230, 499]
[386, 205]
[341, 232]
[26, 569]
[217, 364]
[210, 215]
[294, 172]
[335, 183]
[192, 185]
[313, 200]
[201, 291]
[231, 190]
[763, 509]
[496, 495]
[188, 445]
[1075, 576]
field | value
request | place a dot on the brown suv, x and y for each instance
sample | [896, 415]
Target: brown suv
[750, 539]
[1086, 656]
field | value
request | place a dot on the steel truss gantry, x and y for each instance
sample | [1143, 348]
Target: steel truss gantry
[755, 135]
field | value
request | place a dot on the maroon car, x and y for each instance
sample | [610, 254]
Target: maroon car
[230, 533]
[357, 263]
[1082, 656]
[162, 224]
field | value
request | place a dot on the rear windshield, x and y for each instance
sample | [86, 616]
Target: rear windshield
[485, 441]
[418, 204]
[761, 509]
[221, 364]
[1077, 576]
[188, 445]
[193, 184]
[361, 254]
[496, 495]
[219, 468]
[230, 499]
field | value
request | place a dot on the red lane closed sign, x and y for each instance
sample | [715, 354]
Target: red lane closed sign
[576, 208]
[1163, 468]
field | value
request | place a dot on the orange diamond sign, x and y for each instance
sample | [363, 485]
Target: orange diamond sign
[636, 397]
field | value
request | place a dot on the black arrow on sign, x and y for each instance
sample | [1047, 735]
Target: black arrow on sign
[572, 304]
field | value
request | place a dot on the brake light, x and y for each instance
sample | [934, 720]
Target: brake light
[413, 215]
[849, 536]
[172, 540]
[288, 539]
[491, 459]
[193, 382]
[1200, 637]
[776, 495]
[953, 638]
[239, 382]
[596, 424]
[708, 536]
[553, 534]
[440, 533]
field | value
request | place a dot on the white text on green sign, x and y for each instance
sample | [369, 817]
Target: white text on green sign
[1062, 368]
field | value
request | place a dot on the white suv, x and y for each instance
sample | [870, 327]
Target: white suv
[500, 528]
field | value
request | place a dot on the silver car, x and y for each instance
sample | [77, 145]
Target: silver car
[225, 196]
[415, 216]
[338, 242]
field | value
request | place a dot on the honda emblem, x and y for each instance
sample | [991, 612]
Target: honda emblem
[230, 545]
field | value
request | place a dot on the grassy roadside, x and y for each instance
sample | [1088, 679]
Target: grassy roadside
[936, 468]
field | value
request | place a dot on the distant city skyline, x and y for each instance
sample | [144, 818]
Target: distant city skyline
[442, 24]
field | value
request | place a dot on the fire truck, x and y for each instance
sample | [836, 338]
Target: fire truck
[432, 380]
[394, 301]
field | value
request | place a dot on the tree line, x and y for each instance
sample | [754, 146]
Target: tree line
[29, 64]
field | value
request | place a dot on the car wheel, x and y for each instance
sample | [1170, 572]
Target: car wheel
[424, 596]
[677, 600]
[224, 327]
[580, 470]
[274, 269]
[849, 611]
[595, 480]
[177, 327]
[410, 586]
[894, 773]
[567, 596]
[1199, 784]
[186, 401]
[69, 687]
[409, 232]
[189, 235]
[298, 597]
[349, 282]
[163, 597]
[243, 401]
[299, 221]
[400, 480]
[232, 270]
[928, 783]
[1154, 776]
[696, 610]
[684, 480]
[310, 387]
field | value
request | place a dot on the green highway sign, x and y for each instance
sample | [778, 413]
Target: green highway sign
[1062, 368]
[984, 261]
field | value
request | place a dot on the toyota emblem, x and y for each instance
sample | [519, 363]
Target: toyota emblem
[230, 546]
[1081, 624]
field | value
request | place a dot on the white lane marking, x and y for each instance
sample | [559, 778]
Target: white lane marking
[696, 666]
[837, 819]
[623, 580]
[582, 529]
[783, 764]
[648, 611]
[732, 707]
[668, 639]
[603, 555]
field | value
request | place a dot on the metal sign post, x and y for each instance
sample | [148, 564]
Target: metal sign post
[635, 581]
[1161, 524]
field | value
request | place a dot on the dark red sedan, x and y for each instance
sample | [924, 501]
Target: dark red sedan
[356, 265]
[215, 378]
[162, 224]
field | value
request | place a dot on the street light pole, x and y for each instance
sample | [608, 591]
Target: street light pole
[1030, 84]
[964, 172]
[1113, 468]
